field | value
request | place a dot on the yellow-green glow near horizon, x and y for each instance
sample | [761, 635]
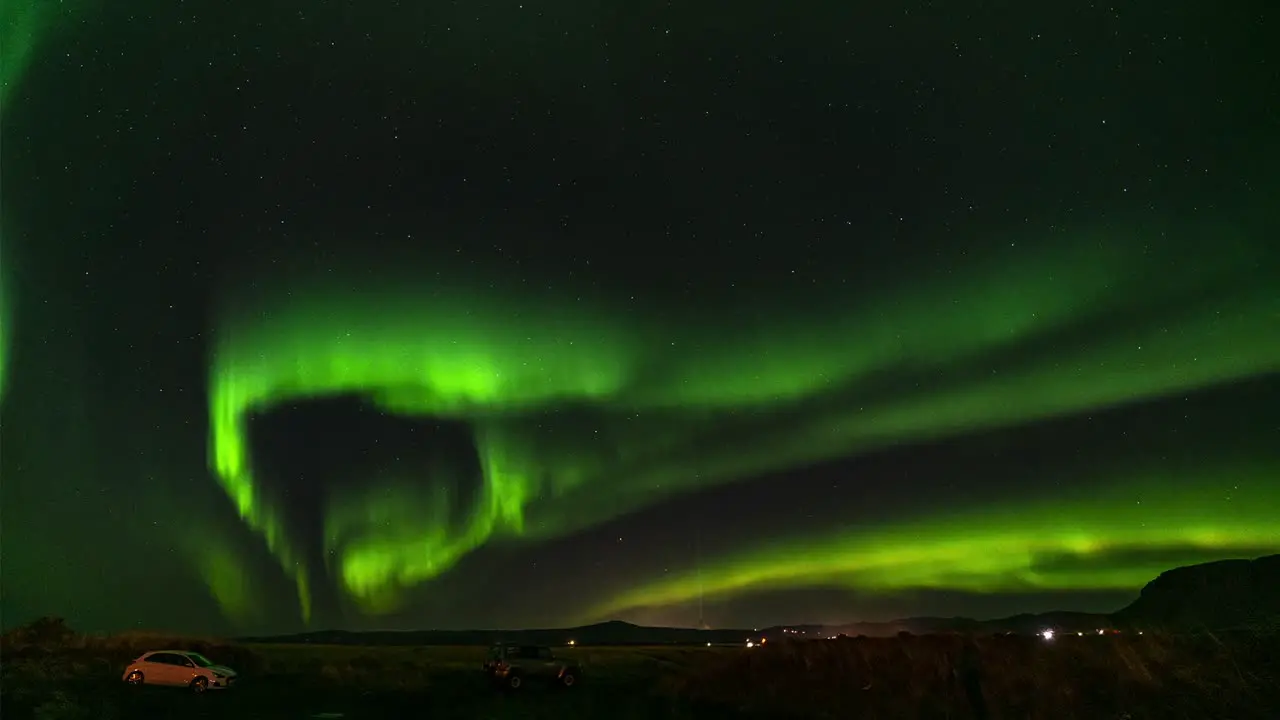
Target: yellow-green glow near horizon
[1119, 539]
[675, 402]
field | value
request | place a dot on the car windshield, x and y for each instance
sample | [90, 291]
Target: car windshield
[200, 660]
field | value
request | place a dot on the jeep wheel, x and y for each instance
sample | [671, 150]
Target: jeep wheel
[514, 682]
[568, 679]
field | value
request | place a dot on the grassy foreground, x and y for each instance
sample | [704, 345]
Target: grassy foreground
[63, 675]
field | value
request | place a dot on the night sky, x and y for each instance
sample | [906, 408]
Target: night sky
[455, 314]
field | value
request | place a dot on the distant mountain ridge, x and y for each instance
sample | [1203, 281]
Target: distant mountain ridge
[613, 632]
[1222, 595]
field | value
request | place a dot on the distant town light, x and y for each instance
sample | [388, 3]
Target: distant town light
[573, 642]
[1047, 634]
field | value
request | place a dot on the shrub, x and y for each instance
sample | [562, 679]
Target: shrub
[46, 631]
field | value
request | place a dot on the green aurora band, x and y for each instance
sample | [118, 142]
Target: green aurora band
[1117, 539]
[24, 26]
[681, 402]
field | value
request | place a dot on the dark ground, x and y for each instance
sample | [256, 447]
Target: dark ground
[1087, 677]
[464, 696]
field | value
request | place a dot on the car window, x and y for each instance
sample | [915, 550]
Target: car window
[544, 653]
[162, 659]
[200, 660]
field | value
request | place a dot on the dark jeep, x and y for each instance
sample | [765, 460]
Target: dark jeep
[513, 665]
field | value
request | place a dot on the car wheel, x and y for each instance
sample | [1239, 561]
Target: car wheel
[199, 685]
[514, 682]
[568, 679]
[135, 679]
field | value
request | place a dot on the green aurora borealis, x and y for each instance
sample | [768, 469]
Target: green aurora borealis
[1039, 546]
[657, 389]
[172, 303]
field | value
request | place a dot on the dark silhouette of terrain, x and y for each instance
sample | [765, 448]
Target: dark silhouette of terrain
[1222, 595]
[931, 667]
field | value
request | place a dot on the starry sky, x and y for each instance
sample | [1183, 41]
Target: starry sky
[503, 314]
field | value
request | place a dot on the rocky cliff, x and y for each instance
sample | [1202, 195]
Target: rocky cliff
[1224, 595]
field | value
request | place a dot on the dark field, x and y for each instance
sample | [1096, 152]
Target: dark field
[1093, 678]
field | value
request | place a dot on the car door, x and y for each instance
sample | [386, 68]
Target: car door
[160, 669]
[541, 656]
[184, 670]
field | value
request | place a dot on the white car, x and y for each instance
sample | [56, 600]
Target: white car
[179, 668]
